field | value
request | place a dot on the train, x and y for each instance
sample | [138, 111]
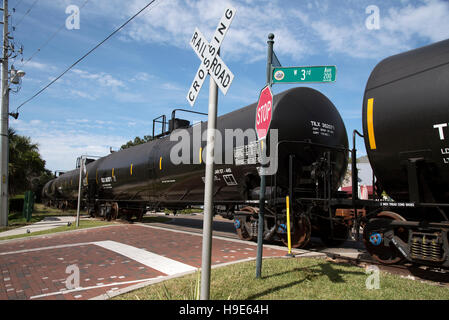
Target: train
[406, 135]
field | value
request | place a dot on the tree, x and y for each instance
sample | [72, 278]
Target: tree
[137, 141]
[26, 167]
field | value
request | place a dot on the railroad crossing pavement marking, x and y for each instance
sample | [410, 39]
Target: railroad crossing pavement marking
[139, 255]
[91, 287]
[165, 265]
[46, 248]
[152, 260]
[149, 259]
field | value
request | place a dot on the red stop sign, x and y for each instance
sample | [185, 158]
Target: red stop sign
[263, 112]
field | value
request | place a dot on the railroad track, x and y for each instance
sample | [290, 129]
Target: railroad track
[437, 276]
[350, 249]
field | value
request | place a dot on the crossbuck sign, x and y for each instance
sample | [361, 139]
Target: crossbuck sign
[210, 60]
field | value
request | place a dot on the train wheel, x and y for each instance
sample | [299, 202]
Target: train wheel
[114, 211]
[139, 215]
[241, 226]
[375, 244]
[302, 231]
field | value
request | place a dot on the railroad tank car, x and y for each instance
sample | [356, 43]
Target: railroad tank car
[405, 123]
[309, 130]
[146, 172]
[406, 132]
[48, 192]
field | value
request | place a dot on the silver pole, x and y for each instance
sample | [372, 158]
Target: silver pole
[208, 191]
[79, 193]
[4, 123]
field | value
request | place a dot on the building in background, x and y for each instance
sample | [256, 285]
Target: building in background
[365, 174]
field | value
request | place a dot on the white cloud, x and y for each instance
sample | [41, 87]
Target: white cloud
[429, 20]
[82, 94]
[302, 28]
[39, 66]
[102, 78]
[35, 122]
[401, 29]
[171, 86]
[60, 146]
[173, 23]
[141, 76]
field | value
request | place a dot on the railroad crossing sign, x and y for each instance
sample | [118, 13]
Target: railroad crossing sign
[304, 74]
[210, 60]
[263, 112]
[221, 77]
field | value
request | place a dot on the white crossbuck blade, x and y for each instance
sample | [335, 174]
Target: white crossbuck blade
[210, 60]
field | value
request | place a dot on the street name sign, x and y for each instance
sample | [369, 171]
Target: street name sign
[210, 60]
[305, 74]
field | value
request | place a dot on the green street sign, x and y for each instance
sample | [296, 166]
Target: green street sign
[304, 74]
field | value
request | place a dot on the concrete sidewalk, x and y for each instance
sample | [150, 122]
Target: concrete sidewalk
[46, 224]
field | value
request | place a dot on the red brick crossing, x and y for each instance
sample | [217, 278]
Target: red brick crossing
[36, 268]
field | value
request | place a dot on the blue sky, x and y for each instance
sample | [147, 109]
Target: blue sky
[146, 69]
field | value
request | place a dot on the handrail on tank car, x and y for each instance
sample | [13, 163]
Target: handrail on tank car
[87, 157]
[173, 117]
[164, 122]
[185, 110]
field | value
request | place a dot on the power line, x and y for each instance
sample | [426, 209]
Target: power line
[84, 56]
[17, 4]
[26, 13]
[49, 39]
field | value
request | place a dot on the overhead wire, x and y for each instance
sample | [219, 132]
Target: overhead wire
[49, 39]
[26, 13]
[17, 4]
[85, 55]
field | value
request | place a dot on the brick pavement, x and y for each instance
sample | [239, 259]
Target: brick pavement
[36, 268]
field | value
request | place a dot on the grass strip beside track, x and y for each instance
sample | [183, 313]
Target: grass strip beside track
[16, 220]
[83, 225]
[291, 279]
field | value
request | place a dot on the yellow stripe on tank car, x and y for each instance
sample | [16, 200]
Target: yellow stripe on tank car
[112, 171]
[201, 155]
[370, 124]
[160, 163]
[131, 170]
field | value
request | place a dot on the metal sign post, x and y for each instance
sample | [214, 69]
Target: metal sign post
[83, 159]
[262, 171]
[278, 74]
[208, 192]
[221, 77]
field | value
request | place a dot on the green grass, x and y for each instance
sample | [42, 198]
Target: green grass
[16, 219]
[184, 211]
[83, 225]
[154, 219]
[291, 279]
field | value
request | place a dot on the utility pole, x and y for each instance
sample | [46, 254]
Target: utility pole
[4, 203]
